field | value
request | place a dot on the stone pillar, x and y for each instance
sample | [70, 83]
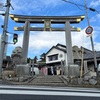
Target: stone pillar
[25, 42]
[69, 55]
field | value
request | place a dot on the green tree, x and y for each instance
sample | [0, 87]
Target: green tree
[35, 59]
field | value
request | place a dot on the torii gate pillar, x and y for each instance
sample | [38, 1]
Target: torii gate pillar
[25, 42]
[71, 69]
[69, 56]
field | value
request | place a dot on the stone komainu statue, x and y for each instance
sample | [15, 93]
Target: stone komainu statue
[16, 55]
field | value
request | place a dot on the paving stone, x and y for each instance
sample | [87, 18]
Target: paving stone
[94, 77]
[92, 74]
[92, 81]
[86, 82]
[86, 78]
[15, 79]
[74, 81]
[20, 79]
[80, 80]
[66, 78]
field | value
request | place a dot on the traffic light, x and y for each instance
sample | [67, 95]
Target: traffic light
[15, 38]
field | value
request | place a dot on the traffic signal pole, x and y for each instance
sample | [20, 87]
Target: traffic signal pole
[95, 61]
[3, 36]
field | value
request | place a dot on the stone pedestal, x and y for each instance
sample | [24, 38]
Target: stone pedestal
[66, 70]
[22, 70]
[73, 70]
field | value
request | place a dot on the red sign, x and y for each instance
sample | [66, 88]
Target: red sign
[89, 30]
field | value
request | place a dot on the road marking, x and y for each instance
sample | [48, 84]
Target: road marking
[56, 93]
[53, 88]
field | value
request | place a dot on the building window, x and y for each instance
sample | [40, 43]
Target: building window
[53, 57]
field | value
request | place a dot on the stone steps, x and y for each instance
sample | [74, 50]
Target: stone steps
[48, 84]
[47, 81]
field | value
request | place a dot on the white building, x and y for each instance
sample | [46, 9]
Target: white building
[56, 54]
[57, 57]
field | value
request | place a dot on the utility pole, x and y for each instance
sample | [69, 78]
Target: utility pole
[95, 61]
[3, 36]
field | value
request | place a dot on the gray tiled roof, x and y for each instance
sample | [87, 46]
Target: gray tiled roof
[98, 54]
[88, 54]
[61, 45]
[91, 56]
[64, 50]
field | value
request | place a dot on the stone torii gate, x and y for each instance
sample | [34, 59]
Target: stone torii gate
[47, 21]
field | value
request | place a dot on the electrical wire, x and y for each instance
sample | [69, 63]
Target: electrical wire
[73, 3]
[91, 9]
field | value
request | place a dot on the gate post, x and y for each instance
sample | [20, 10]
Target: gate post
[69, 54]
[25, 42]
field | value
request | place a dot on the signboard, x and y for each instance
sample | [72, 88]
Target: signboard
[47, 25]
[89, 30]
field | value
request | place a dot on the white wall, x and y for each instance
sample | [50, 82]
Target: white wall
[53, 52]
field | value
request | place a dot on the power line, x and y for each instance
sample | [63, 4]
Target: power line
[73, 3]
[79, 5]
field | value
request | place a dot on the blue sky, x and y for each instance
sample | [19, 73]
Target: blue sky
[42, 41]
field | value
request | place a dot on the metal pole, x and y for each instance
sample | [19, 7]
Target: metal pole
[3, 36]
[95, 60]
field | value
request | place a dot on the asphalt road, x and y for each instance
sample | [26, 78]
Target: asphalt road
[47, 93]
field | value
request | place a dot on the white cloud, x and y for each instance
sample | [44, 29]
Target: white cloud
[45, 40]
[2, 17]
[42, 40]
[95, 18]
[31, 6]
[97, 46]
[51, 2]
[98, 16]
[95, 3]
[81, 39]
[96, 28]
